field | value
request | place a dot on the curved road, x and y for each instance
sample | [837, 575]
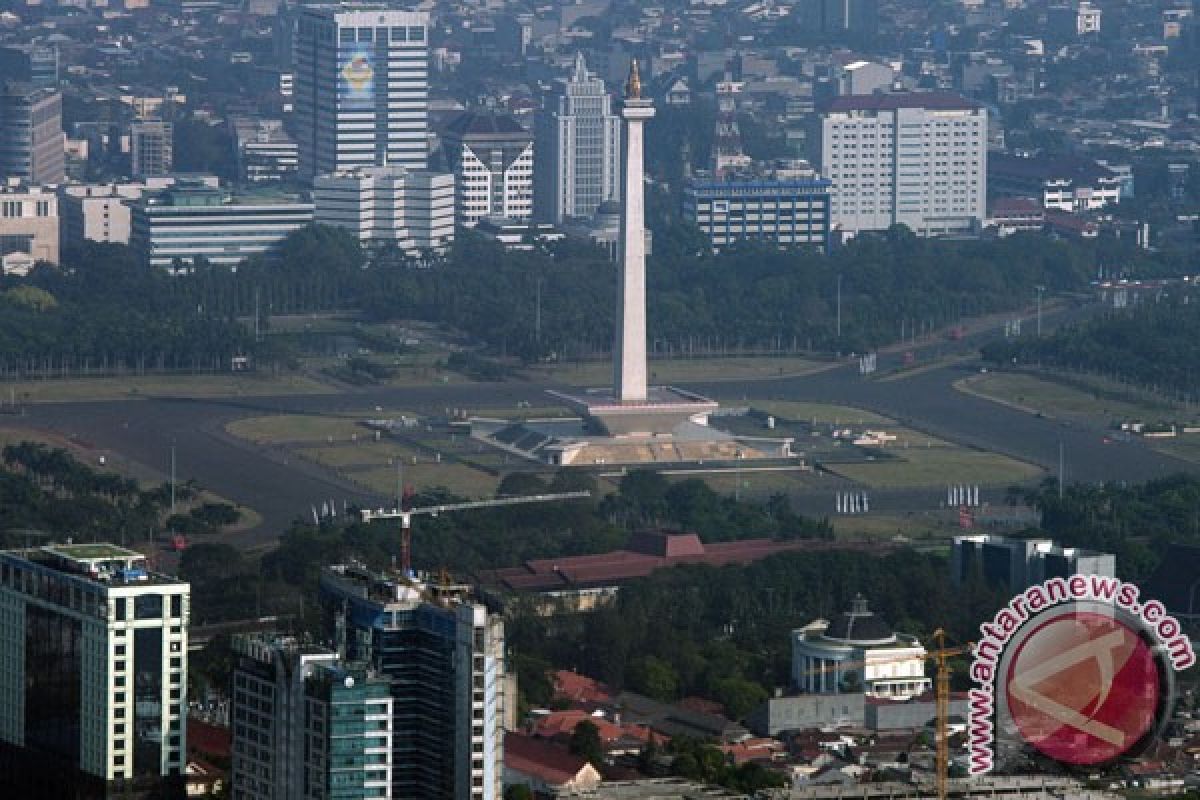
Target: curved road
[282, 489]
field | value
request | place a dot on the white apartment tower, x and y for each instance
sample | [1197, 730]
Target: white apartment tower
[362, 88]
[412, 209]
[93, 690]
[492, 160]
[917, 159]
[578, 150]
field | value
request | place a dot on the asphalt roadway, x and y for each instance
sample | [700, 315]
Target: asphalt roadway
[282, 488]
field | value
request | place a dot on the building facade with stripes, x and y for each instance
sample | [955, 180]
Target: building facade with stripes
[171, 229]
[362, 88]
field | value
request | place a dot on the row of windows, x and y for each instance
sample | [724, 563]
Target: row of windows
[399, 33]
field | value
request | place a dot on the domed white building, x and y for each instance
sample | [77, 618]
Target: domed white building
[856, 651]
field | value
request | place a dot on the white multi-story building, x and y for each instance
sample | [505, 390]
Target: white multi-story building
[577, 149]
[916, 159]
[856, 651]
[93, 684]
[380, 205]
[97, 212]
[28, 227]
[362, 88]
[491, 157]
[265, 151]
[305, 724]
[175, 227]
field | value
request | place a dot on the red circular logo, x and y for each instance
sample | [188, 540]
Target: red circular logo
[1083, 688]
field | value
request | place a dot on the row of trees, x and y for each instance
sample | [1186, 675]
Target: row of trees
[1151, 345]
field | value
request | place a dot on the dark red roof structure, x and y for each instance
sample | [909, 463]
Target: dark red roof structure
[646, 552]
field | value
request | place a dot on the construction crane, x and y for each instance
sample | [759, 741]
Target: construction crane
[941, 656]
[405, 515]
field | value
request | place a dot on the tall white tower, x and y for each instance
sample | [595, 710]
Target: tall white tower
[629, 349]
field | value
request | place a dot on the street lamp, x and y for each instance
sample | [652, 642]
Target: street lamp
[1040, 290]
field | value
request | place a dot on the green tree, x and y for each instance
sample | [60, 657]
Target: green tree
[586, 743]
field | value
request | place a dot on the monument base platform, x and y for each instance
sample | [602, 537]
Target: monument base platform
[663, 410]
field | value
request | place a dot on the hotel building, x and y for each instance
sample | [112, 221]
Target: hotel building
[93, 674]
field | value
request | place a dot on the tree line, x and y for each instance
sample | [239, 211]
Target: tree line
[1151, 344]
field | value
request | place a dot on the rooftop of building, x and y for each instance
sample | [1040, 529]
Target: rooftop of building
[931, 101]
[390, 589]
[479, 123]
[101, 563]
[646, 552]
[1045, 168]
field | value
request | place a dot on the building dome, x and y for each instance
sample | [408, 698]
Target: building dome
[858, 626]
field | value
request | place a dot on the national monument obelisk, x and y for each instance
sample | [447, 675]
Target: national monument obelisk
[632, 409]
[629, 345]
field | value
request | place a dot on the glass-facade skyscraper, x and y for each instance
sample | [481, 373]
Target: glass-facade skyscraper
[577, 149]
[93, 674]
[362, 88]
[444, 658]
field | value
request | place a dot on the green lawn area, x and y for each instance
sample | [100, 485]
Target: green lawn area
[292, 428]
[599, 373]
[1082, 398]
[457, 478]
[362, 454]
[130, 387]
[886, 526]
[822, 413]
[937, 466]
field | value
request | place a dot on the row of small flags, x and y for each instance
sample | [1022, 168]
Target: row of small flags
[962, 495]
[328, 510]
[852, 503]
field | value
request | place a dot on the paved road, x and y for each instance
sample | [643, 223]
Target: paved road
[282, 489]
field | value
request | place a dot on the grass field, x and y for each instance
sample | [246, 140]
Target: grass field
[599, 373]
[293, 428]
[821, 413]
[458, 478]
[935, 466]
[1082, 399]
[123, 388]
[887, 526]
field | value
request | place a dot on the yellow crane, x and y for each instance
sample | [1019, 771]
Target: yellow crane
[941, 657]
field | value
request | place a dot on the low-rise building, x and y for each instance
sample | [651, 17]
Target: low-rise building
[856, 651]
[174, 227]
[28, 227]
[788, 212]
[410, 209]
[1020, 563]
[1060, 183]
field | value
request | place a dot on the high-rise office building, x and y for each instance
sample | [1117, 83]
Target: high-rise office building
[32, 147]
[93, 689]
[916, 159]
[491, 157]
[412, 210]
[444, 658]
[35, 64]
[362, 88]
[577, 148]
[150, 148]
[306, 725]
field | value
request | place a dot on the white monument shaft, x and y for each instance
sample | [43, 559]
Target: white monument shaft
[629, 350]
